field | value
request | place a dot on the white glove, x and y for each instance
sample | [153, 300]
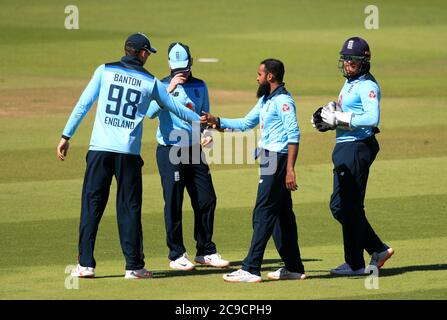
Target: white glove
[343, 119]
[337, 118]
[328, 116]
[331, 106]
[207, 139]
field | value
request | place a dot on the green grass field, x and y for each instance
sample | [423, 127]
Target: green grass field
[45, 67]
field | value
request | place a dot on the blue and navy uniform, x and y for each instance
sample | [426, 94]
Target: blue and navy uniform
[273, 213]
[354, 153]
[361, 96]
[172, 129]
[276, 116]
[175, 135]
[124, 90]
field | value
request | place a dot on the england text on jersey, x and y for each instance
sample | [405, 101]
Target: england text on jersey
[119, 122]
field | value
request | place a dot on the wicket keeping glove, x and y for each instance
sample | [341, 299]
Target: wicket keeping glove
[334, 117]
[318, 123]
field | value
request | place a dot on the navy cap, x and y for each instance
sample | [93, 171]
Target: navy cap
[355, 46]
[139, 41]
[179, 57]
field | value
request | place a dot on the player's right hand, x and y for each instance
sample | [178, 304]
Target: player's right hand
[62, 149]
[179, 78]
[207, 139]
[291, 181]
[329, 117]
[208, 119]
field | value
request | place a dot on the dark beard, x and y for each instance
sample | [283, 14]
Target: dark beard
[263, 89]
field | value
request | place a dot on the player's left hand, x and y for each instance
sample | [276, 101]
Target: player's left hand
[62, 149]
[291, 181]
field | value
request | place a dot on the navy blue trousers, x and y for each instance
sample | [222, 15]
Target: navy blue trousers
[196, 178]
[273, 216]
[101, 167]
[352, 161]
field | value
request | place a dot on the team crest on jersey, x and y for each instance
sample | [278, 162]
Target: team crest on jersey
[372, 94]
[285, 107]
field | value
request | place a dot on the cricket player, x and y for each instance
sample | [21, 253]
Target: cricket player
[124, 90]
[273, 213]
[355, 119]
[176, 136]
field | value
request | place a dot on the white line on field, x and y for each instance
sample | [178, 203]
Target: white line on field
[208, 60]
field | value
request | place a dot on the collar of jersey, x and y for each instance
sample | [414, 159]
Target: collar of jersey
[358, 77]
[134, 61]
[279, 90]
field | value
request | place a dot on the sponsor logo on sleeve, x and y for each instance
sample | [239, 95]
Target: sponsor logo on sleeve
[372, 94]
[285, 107]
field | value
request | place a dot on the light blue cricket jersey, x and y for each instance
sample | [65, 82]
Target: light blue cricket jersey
[360, 96]
[171, 129]
[277, 118]
[124, 90]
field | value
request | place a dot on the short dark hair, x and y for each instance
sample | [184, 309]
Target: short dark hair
[129, 51]
[275, 67]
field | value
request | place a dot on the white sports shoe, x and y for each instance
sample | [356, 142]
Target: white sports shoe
[284, 274]
[138, 274]
[378, 259]
[345, 270]
[182, 263]
[241, 276]
[214, 260]
[83, 272]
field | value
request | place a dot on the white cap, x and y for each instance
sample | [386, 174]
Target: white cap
[179, 56]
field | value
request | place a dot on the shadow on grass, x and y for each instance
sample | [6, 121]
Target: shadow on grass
[267, 265]
[234, 265]
[386, 272]
[107, 277]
